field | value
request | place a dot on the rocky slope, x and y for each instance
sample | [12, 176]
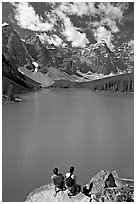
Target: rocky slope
[103, 188]
[98, 58]
[38, 52]
[13, 48]
[46, 80]
[126, 53]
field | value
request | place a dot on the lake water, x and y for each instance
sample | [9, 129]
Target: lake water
[64, 127]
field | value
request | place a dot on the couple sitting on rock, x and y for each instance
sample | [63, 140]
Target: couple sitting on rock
[68, 182]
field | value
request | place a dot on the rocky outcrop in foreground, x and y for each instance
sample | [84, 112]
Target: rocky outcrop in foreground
[104, 188]
[46, 194]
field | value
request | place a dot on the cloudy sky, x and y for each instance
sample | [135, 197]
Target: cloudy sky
[75, 23]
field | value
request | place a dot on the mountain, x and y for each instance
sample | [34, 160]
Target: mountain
[126, 53]
[62, 63]
[13, 48]
[38, 52]
[96, 58]
[14, 55]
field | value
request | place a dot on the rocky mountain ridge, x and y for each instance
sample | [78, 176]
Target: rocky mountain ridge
[126, 53]
[96, 58]
[93, 60]
[13, 47]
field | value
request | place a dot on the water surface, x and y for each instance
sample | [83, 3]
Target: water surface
[63, 127]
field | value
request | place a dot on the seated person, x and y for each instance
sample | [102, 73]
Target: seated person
[70, 181]
[57, 180]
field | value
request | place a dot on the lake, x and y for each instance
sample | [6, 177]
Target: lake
[63, 127]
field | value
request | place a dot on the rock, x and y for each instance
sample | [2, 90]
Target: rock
[46, 194]
[17, 99]
[116, 190]
[109, 187]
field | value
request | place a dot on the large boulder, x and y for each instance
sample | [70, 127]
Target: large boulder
[107, 186]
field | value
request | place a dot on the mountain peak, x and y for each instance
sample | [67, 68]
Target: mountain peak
[101, 43]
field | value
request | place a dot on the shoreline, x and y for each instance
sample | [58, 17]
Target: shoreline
[6, 100]
[83, 88]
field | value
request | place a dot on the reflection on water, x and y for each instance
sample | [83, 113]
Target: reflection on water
[89, 130]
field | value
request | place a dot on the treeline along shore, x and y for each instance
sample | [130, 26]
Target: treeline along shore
[120, 83]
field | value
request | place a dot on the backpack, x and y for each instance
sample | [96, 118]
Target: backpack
[69, 181]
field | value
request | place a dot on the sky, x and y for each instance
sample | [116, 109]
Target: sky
[74, 23]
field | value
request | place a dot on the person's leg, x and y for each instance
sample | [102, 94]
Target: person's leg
[55, 191]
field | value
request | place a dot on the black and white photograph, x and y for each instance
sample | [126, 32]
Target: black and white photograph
[67, 101]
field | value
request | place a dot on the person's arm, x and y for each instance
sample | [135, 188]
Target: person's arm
[53, 180]
[63, 178]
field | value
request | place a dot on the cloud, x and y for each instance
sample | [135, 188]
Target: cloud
[114, 12]
[77, 38]
[104, 20]
[111, 24]
[28, 19]
[101, 33]
[110, 14]
[75, 8]
[78, 8]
